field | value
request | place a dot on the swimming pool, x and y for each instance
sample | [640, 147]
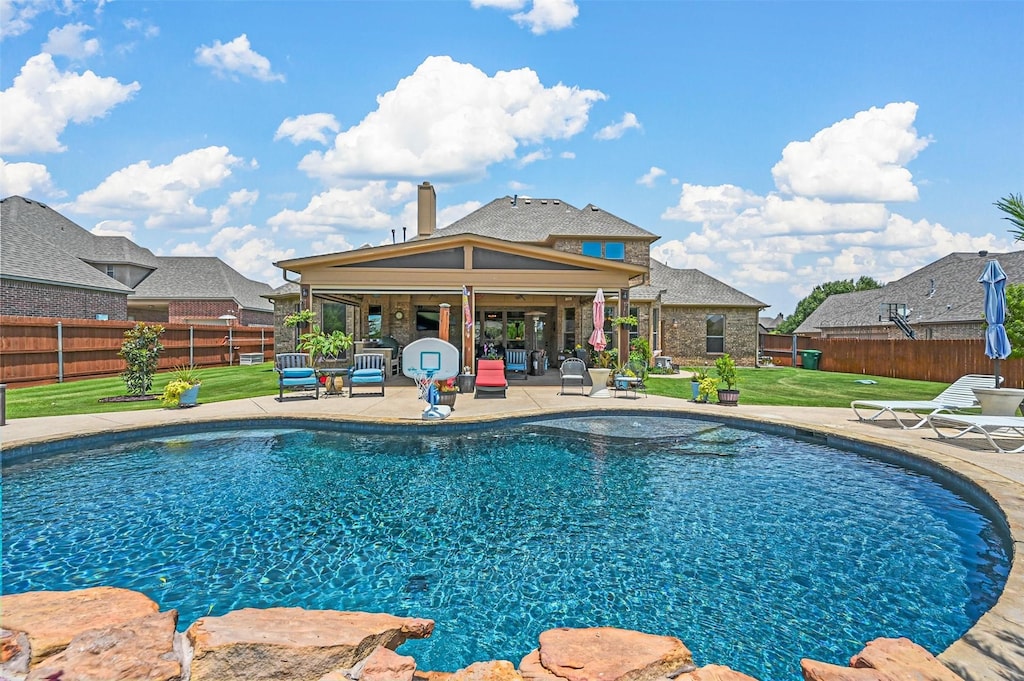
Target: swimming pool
[754, 549]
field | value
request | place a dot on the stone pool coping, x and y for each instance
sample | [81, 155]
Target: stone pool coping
[991, 650]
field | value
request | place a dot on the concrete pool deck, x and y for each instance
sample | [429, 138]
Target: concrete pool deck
[992, 650]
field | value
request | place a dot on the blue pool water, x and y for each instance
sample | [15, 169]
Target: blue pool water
[755, 550]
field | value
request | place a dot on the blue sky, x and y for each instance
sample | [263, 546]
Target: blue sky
[772, 145]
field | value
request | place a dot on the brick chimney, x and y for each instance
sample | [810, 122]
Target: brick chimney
[426, 210]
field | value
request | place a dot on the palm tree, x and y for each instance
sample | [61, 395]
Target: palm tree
[1013, 206]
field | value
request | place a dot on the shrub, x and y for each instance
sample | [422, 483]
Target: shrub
[141, 351]
[726, 368]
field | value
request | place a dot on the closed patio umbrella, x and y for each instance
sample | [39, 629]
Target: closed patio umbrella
[997, 345]
[597, 338]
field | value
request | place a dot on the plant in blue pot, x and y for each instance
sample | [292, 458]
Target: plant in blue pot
[183, 388]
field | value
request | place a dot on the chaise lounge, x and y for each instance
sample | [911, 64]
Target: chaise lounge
[959, 395]
[989, 427]
[490, 377]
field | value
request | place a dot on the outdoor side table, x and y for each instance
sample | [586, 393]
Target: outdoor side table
[335, 383]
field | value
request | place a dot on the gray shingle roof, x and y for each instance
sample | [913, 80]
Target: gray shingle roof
[48, 224]
[693, 287]
[203, 278]
[42, 245]
[25, 253]
[536, 220]
[944, 291]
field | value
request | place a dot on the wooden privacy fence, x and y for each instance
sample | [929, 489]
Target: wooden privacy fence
[36, 350]
[943, 361]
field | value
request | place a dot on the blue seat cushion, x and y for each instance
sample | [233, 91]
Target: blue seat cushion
[297, 373]
[367, 375]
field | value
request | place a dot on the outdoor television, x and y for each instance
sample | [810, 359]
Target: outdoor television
[428, 320]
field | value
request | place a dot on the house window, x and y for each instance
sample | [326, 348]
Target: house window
[716, 333]
[610, 336]
[110, 271]
[611, 250]
[569, 329]
[374, 319]
[656, 329]
[634, 331]
[333, 316]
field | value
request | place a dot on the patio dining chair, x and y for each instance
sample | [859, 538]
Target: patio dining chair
[573, 372]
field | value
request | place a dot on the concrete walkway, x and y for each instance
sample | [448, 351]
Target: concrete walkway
[993, 650]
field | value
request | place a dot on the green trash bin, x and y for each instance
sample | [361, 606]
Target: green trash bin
[810, 358]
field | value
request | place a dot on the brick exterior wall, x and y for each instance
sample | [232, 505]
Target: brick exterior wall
[948, 331]
[30, 299]
[685, 335]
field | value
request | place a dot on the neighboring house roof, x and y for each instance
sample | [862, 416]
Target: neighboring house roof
[203, 278]
[41, 245]
[28, 257]
[694, 288]
[51, 226]
[945, 291]
[540, 220]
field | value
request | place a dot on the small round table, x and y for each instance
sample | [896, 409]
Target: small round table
[335, 383]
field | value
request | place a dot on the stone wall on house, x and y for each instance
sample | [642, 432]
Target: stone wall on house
[31, 299]
[285, 337]
[685, 334]
[181, 311]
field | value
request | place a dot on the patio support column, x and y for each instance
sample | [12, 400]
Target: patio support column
[623, 330]
[468, 347]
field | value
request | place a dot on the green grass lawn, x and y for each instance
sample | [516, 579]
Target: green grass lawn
[786, 386]
[83, 397]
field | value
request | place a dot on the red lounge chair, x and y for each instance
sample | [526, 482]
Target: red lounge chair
[490, 377]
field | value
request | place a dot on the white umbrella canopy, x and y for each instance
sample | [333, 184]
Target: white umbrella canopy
[597, 338]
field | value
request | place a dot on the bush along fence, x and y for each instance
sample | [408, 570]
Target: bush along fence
[37, 350]
[942, 361]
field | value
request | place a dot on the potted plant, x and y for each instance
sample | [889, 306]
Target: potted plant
[696, 377]
[183, 388]
[726, 369]
[447, 391]
[324, 346]
[706, 388]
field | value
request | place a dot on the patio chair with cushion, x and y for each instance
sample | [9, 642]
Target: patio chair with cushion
[367, 370]
[957, 396]
[515, 362]
[573, 372]
[490, 377]
[295, 373]
[630, 377]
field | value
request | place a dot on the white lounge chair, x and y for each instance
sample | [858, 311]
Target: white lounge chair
[990, 427]
[957, 396]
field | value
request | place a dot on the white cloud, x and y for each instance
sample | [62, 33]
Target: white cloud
[125, 228]
[450, 120]
[42, 101]
[244, 250]
[567, 155]
[147, 29]
[16, 15]
[69, 41]
[533, 157]
[164, 194]
[333, 243]
[236, 58]
[548, 15]
[26, 179]
[648, 179]
[857, 159]
[543, 16]
[359, 209]
[307, 128]
[617, 130]
[698, 203]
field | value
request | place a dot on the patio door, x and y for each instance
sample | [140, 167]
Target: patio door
[504, 329]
